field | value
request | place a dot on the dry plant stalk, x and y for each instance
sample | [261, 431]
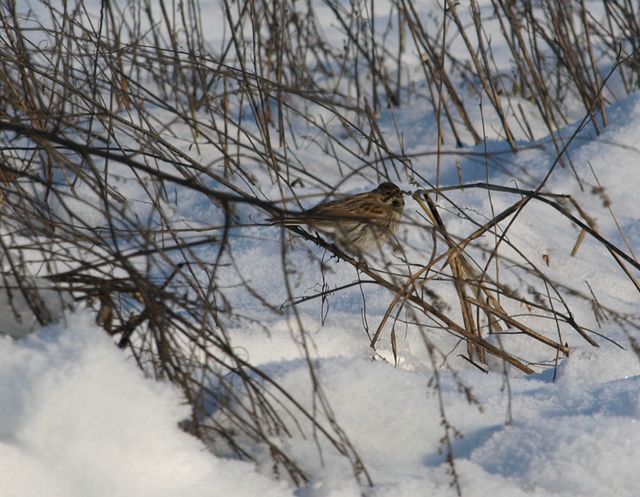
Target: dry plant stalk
[474, 289]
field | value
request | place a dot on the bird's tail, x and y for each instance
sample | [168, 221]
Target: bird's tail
[285, 221]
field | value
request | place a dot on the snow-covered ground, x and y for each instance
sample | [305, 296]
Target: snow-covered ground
[77, 418]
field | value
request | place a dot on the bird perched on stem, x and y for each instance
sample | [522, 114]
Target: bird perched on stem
[357, 223]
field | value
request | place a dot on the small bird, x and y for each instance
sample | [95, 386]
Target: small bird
[357, 223]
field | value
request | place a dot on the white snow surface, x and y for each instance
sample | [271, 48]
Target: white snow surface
[77, 419]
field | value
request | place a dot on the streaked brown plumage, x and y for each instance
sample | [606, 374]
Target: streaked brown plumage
[358, 223]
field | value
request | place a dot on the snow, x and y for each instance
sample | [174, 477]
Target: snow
[576, 436]
[77, 417]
